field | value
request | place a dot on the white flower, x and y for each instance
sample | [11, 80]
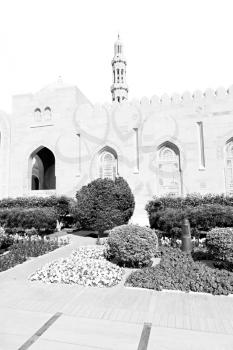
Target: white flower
[86, 266]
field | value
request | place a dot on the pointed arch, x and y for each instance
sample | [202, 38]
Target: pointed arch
[107, 163]
[170, 145]
[169, 180]
[42, 169]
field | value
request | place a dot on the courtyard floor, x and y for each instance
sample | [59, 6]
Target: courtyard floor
[34, 315]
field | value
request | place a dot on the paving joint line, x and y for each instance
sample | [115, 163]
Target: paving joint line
[144, 340]
[40, 331]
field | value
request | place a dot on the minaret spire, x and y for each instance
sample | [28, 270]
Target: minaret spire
[119, 88]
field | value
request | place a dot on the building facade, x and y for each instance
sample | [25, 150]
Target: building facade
[55, 141]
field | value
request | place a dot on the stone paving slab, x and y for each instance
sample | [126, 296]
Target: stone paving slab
[18, 325]
[172, 339]
[11, 341]
[89, 332]
[55, 345]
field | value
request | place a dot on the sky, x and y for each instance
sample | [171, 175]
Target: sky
[170, 45]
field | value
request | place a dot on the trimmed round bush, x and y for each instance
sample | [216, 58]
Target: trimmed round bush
[219, 242]
[132, 245]
[103, 204]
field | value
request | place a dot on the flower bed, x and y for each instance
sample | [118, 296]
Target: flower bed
[86, 266]
[168, 242]
[26, 247]
[178, 271]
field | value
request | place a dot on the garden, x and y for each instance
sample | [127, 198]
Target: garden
[26, 225]
[153, 257]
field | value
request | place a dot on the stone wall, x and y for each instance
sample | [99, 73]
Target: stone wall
[77, 131]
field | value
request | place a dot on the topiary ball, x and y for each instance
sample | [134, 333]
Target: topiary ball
[132, 245]
[103, 204]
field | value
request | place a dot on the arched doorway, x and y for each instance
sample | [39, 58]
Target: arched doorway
[43, 170]
[169, 171]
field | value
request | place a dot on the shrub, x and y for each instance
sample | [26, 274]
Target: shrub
[178, 271]
[201, 218]
[103, 204]
[191, 200]
[219, 242]
[5, 239]
[169, 221]
[20, 251]
[60, 204]
[132, 245]
[41, 219]
[201, 253]
[31, 232]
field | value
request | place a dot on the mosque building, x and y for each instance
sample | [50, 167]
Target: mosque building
[55, 141]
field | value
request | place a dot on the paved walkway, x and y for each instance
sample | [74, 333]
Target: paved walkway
[34, 315]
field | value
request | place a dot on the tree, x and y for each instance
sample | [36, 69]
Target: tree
[103, 204]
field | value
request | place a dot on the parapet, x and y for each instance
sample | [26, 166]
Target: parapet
[187, 98]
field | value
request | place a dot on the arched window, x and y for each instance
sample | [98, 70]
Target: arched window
[108, 165]
[47, 113]
[169, 173]
[229, 167]
[37, 114]
[167, 154]
[122, 75]
[118, 75]
[42, 170]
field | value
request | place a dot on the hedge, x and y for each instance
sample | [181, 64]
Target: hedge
[60, 204]
[19, 219]
[201, 218]
[191, 200]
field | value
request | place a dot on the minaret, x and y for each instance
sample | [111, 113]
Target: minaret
[119, 88]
